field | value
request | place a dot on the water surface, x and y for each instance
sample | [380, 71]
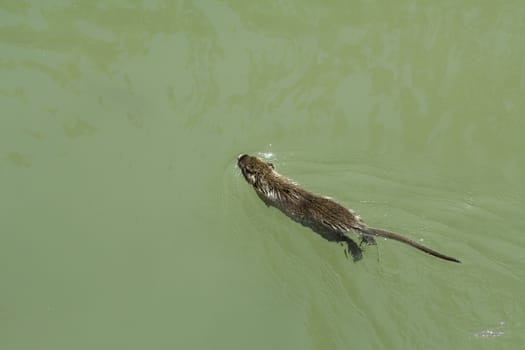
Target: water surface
[125, 224]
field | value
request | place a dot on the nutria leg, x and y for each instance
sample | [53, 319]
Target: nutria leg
[353, 249]
[369, 240]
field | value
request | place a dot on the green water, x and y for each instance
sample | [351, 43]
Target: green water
[125, 224]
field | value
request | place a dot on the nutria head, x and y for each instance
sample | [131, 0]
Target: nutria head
[253, 169]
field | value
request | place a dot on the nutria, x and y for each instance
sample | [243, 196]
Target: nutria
[322, 214]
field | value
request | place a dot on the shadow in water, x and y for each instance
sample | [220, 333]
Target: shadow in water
[350, 246]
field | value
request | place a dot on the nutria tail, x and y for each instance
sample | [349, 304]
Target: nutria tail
[381, 233]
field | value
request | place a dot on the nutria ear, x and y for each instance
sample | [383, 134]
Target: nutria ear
[271, 165]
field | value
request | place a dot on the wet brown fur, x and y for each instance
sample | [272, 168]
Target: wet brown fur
[322, 214]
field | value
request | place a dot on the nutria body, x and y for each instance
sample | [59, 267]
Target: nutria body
[322, 214]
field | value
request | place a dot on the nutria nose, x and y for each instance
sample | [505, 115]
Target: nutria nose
[241, 156]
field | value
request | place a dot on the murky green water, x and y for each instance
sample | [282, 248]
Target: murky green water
[124, 223]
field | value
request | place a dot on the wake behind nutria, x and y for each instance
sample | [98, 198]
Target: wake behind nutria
[322, 214]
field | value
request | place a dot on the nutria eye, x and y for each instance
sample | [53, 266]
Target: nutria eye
[271, 165]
